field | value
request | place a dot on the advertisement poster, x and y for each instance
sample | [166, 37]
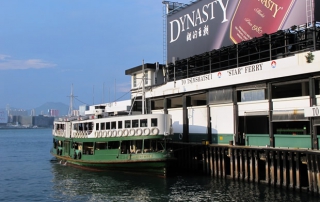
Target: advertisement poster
[211, 24]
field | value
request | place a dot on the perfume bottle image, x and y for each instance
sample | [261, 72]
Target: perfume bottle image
[252, 18]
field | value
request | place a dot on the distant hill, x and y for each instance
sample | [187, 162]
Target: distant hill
[63, 108]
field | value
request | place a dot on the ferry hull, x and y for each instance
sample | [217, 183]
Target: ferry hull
[153, 166]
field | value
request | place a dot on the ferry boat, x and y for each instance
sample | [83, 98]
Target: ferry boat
[136, 142]
[116, 140]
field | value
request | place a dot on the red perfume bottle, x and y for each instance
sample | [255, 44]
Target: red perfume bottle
[252, 18]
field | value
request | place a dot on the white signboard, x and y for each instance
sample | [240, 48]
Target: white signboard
[312, 111]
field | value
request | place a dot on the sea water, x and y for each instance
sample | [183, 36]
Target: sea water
[29, 173]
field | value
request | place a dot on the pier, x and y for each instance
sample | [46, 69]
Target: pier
[285, 168]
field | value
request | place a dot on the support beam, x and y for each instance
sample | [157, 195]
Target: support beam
[185, 104]
[271, 135]
[209, 129]
[313, 101]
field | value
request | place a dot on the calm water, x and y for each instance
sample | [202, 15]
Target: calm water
[29, 173]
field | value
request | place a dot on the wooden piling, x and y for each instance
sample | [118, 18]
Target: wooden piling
[231, 163]
[219, 162]
[278, 157]
[211, 161]
[246, 171]
[284, 169]
[241, 165]
[236, 176]
[272, 173]
[256, 163]
[310, 175]
[223, 162]
[251, 167]
[215, 161]
[267, 180]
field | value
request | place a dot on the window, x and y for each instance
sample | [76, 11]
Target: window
[154, 122]
[97, 126]
[127, 124]
[103, 126]
[113, 125]
[294, 88]
[252, 95]
[135, 123]
[113, 145]
[144, 123]
[119, 124]
[75, 126]
[134, 80]
[146, 77]
[219, 96]
[107, 125]
[101, 145]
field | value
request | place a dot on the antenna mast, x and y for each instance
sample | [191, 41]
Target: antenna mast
[143, 90]
[71, 102]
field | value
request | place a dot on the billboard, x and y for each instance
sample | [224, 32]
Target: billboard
[211, 24]
[3, 116]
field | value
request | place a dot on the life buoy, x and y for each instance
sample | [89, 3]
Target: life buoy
[109, 133]
[119, 133]
[146, 131]
[114, 133]
[96, 134]
[180, 136]
[79, 155]
[74, 134]
[155, 131]
[138, 132]
[105, 134]
[125, 133]
[132, 132]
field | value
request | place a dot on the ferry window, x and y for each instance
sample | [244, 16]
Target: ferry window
[135, 123]
[88, 126]
[143, 122]
[103, 126]
[154, 122]
[81, 126]
[75, 126]
[101, 145]
[113, 145]
[119, 124]
[107, 125]
[113, 125]
[127, 124]
[97, 126]
[88, 148]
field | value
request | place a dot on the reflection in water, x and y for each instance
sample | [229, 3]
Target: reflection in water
[74, 184]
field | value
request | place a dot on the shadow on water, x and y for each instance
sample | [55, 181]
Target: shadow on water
[74, 184]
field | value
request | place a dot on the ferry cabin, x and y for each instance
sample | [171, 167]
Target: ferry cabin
[256, 93]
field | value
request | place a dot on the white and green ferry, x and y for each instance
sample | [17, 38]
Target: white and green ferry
[99, 141]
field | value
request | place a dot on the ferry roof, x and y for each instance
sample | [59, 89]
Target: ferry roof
[139, 68]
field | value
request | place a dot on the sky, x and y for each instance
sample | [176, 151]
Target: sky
[48, 46]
